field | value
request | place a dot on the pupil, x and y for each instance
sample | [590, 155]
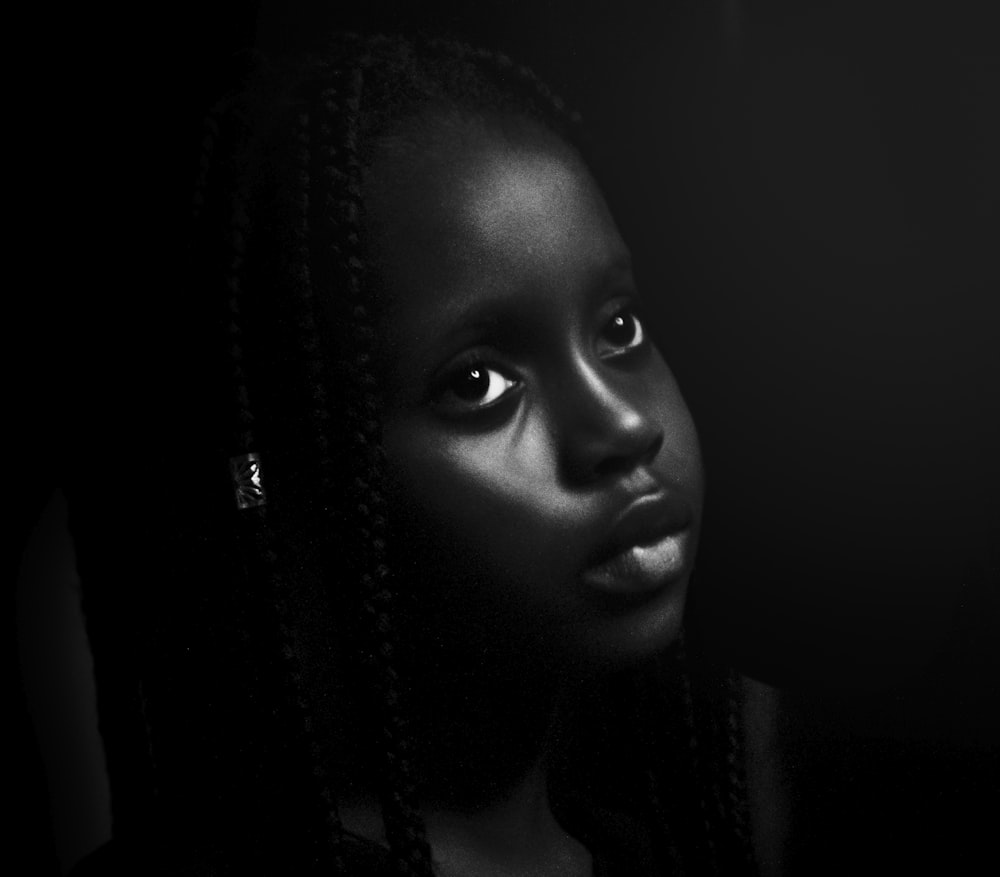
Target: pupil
[473, 384]
[621, 329]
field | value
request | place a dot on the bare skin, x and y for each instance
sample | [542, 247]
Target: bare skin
[516, 836]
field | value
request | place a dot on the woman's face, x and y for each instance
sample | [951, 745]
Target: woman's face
[548, 467]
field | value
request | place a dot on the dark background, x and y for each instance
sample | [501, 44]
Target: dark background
[811, 193]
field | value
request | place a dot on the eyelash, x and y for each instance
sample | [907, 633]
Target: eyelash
[623, 317]
[474, 369]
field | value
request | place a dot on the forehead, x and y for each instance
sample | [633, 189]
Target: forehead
[522, 196]
[484, 201]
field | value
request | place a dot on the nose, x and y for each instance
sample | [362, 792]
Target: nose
[609, 424]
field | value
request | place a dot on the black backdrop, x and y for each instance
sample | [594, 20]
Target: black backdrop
[811, 191]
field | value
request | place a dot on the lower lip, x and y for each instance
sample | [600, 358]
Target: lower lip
[640, 569]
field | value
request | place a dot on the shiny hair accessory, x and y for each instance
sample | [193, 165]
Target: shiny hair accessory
[248, 488]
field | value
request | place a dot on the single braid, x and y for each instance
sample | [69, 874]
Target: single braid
[711, 709]
[697, 758]
[325, 835]
[308, 333]
[735, 780]
[205, 157]
[243, 439]
[663, 831]
[404, 827]
[652, 736]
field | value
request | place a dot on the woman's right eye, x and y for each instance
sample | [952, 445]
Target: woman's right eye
[473, 386]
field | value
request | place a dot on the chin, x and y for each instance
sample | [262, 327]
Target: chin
[637, 633]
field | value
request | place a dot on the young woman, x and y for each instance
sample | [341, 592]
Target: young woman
[439, 629]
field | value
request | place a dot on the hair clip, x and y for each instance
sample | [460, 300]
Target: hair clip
[247, 484]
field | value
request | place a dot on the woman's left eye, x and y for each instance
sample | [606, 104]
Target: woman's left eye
[623, 332]
[474, 386]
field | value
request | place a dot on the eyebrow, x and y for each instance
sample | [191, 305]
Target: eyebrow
[620, 267]
[460, 324]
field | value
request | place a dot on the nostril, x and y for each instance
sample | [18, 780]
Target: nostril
[642, 452]
[614, 466]
[654, 447]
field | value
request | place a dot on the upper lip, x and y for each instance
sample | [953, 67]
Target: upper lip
[643, 521]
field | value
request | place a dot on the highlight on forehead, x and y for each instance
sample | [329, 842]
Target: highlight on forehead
[520, 184]
[436, 130]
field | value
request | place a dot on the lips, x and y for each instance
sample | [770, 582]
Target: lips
[648, 546]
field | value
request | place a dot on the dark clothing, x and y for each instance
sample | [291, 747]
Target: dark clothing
[620, 848]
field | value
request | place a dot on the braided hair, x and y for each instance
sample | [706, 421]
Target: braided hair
[279, 251]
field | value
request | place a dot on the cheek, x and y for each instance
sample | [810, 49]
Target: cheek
[680, 441]
[478, 520]
[680, 455]
[485, 504]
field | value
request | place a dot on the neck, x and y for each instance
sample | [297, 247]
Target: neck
[485, 734]
[485, 728]
[515, 834]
